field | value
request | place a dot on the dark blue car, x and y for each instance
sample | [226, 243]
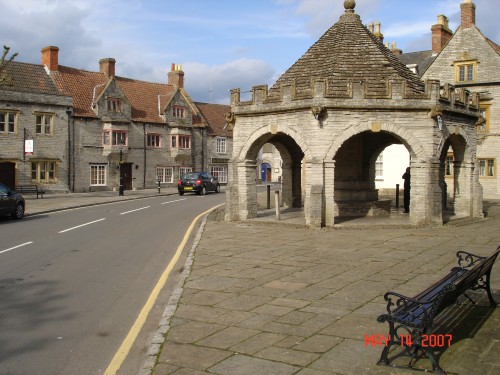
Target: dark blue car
[11, 203]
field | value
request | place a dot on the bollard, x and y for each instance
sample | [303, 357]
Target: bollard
[277, 203]
[397, 195]
[159, 186]
[268, 196]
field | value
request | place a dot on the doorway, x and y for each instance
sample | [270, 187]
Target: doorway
[8, 174]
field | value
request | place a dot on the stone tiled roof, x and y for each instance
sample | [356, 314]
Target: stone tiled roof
[348, 51]
[214, 115]
[30, 78]
[85, 87]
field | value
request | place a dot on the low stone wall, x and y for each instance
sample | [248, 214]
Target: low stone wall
[372, 208]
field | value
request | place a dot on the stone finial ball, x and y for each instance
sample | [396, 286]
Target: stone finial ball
[349, 4]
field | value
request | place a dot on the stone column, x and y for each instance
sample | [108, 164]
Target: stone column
[329, 173]
[426, 194]
[286, 184]
[314, 187]
[247, 189]
[468, 191]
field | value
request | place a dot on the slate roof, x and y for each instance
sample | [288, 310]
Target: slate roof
[348, 51]
[30, 78]
[423, 59]
[85, 87]
[214, 115]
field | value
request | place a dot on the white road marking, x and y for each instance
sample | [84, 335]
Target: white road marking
[138, 209]
[79, 226]
[15, 247]
[177, 200]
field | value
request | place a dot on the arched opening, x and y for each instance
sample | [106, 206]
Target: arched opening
[360, 166]
[455, 177]
[251, 173]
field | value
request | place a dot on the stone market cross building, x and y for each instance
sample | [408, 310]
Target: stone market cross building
[332, 113]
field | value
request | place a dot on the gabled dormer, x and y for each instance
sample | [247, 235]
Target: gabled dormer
[110, 103]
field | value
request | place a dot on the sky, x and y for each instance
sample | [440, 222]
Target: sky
[221, 44]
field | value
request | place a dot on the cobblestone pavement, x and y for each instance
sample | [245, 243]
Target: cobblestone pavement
[265, 298]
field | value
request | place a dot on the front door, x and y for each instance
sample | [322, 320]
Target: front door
[127, 176]
[8, 174]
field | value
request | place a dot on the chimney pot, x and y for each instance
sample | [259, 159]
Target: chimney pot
[50, 58]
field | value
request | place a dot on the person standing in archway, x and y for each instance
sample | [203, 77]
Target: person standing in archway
[406, 197]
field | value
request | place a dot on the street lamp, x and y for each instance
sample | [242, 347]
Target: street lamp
[121, 170]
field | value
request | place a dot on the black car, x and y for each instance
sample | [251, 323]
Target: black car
[198, 182]
[11, 203]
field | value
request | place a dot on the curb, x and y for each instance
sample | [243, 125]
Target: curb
[164, 324]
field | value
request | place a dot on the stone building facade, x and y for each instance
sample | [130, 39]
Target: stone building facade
[467, 59]
[33, 128]
[333, 112]
[105, 130]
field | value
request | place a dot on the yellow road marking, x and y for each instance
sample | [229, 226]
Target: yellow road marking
[127, 343]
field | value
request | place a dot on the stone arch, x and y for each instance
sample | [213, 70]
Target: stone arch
[410, 141]
[464, 180]
[268, 131]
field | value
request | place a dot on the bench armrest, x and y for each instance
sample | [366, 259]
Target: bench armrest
[426, 308]
[466, 260]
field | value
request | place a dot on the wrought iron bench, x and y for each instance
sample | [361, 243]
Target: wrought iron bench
[30, 189]
[411, 319]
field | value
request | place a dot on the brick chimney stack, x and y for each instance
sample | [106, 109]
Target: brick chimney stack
[468, 14]
[441, 34]
[50, 58]
[176, 76]
[107, 66]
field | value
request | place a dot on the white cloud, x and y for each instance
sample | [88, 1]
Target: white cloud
[212, 83]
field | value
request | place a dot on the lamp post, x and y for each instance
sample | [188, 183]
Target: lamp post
[69, 113]
[121, 172]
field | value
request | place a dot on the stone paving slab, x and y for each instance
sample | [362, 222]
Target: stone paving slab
[300, 301]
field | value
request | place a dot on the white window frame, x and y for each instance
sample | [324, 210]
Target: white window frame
[101, 174]
[221, 145]
[184, 170]
[219, 172]
[165, 175]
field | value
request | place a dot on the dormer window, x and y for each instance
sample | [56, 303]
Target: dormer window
[114, 105]
[179, 111]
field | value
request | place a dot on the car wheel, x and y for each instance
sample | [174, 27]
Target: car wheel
[19, 212]
[203, 190]
[217, 188]
[181, 193]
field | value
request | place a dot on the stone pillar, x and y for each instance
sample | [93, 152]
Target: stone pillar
[426, 194]
[232, 194]
[314, 202]
[286, 185]
[329, 191]
[247, 189]
[467, 191]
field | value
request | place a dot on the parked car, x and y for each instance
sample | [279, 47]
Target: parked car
[11, 203]
[198, 182]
